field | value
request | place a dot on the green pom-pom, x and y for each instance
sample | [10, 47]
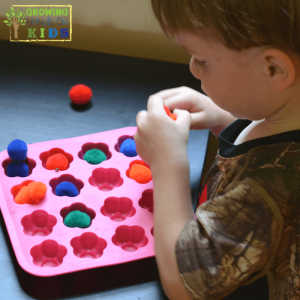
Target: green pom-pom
[77, 218]
[94, 156]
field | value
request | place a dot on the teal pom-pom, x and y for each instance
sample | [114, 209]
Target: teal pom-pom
[94, 156]
[77, 218]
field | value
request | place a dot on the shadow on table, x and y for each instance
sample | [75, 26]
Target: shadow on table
[84, 282]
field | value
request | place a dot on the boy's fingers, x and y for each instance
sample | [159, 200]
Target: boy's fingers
[155, 104]
[178, 101]
[141, 115]
[168, 93]
[183, 116]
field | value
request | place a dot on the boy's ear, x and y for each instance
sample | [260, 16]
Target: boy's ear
[279, 69]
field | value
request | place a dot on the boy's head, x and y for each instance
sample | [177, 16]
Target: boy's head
[248, 50]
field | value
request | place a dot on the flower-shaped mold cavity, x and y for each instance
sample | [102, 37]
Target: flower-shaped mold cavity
[118, 209]
[48, 254]
[38, 223]
[120, 141]
[139, 162]
[88, 245]
[106, 179]
[130, 238]
[89, 146]
[16, 189]
[45, 155]
[78, 206]
[29, 162]
[147, 200]
[66, 177]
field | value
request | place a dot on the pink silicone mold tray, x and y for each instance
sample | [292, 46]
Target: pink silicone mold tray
[121, 209]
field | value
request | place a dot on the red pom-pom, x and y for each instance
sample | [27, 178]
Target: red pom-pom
[57, 161]
[80, 94]
[140, 173]
[167, 110]
[172, 116]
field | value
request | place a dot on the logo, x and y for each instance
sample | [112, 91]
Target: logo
[39, 23]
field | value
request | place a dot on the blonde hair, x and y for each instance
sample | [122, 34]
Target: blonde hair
[238, 24]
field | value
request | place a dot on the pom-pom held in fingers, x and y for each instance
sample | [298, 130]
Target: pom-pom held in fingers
[17, 150]
[80, 94]
[171, 115]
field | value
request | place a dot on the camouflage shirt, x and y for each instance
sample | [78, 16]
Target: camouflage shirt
[249, 226]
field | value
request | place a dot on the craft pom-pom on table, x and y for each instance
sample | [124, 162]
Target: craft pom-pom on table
[120, 208]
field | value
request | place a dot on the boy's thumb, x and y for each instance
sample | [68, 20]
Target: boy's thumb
[183, 116]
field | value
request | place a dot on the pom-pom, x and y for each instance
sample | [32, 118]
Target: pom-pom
[17, 150]
[59, 161]
[128, 148]
[37, 191]
[66, 188]
[32, 193]
[140, 173]
[172, 116]
[17, 168]
[77, 218]
[94, 156]
[80, 94]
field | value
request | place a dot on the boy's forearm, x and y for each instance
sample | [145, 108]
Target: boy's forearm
[172, 210]
[227, 120]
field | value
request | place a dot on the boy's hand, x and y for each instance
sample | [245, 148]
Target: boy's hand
[160, 139]
[204, 112]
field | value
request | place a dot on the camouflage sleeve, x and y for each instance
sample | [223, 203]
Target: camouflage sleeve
[235, 235]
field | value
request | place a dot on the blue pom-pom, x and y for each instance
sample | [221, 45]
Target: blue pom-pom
[17, 150]
[66, 188]
[17, 168]
[128, 148]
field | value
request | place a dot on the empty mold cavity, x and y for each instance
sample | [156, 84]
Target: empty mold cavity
[45, 155]
[66, 177]
[80, 207]
[139, 162]
[89, 146]
[106, 179]
[146, 201]
[88, 245]
[130, 238]
[120, 141]
[38, 223]
[28, 161]
[152, 231]
[48, 254]
[118, 209]
[16, 189]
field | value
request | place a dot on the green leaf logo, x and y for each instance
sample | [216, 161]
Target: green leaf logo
[15, 18]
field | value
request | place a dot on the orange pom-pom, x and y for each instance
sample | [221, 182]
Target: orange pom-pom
[167, 110]
[140, 173]
[173, 117]
[37, 191]
[80, 94]
[23, 195]
[59, 161]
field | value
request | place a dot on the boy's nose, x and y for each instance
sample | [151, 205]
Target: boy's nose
[194, 69]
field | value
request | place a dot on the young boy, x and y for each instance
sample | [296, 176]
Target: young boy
[246, 54]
